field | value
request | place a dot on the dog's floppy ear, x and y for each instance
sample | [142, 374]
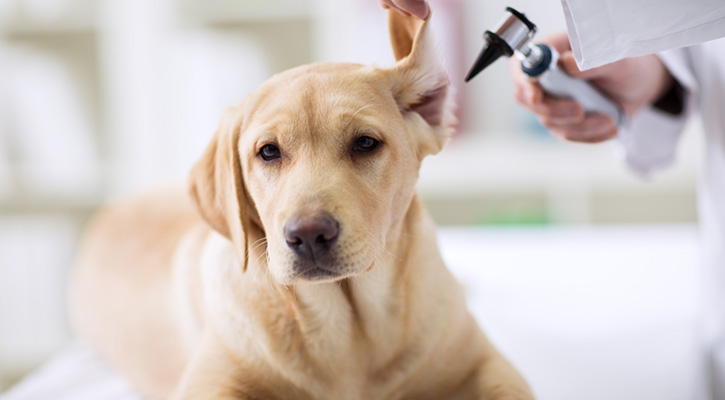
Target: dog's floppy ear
[419, 81]
[217, 187]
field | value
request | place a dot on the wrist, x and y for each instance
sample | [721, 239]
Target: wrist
[672, 101]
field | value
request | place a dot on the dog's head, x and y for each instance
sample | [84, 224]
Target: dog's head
[320, 163]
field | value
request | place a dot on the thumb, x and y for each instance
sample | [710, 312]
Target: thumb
[567, 62]
[419, 8]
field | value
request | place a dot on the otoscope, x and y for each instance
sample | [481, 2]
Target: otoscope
[539, 62]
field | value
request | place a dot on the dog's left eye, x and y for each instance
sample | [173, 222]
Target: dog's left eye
[269, 152]
[364, 143]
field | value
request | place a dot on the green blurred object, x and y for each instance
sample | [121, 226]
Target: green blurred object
[514, 217]
[521, 209]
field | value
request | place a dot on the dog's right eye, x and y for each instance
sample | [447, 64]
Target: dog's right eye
[269, 152]
[364, 144]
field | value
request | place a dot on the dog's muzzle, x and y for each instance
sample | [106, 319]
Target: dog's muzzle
[312, 236]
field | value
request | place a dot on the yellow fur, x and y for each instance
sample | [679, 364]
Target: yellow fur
[205, 304]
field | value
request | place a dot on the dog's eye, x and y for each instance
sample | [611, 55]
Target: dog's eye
[364, 143]
[269, 152]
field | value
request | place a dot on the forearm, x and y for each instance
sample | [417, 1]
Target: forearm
[637, 83]
[672, 101]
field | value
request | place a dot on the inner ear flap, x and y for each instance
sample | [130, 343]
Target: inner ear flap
[432, 105]
[403, 31]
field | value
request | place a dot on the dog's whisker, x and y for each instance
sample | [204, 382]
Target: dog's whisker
[258, 243]
[259, 257]
[393, 255]
[352, 117]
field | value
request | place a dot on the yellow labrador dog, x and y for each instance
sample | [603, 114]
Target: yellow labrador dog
[304, 266]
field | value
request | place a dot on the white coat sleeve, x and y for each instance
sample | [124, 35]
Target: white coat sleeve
[649, 142]
[602, 32]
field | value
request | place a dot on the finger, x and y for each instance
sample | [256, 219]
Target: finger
[527, 94]
[557, 112]
[558, 41]
[594, 128]
[568, 63]
[419, 8]
[590, 139]
[389, 5]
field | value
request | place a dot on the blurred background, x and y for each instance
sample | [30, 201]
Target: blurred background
[102, 98]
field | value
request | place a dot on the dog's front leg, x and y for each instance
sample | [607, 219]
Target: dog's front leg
[497, 379]
[211, 374]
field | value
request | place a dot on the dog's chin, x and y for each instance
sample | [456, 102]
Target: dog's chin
[317, 273]
[289, 268]
[320, 274]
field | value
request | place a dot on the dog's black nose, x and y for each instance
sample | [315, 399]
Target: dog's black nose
[311, 235]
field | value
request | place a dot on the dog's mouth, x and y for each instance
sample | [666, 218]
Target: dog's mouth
[326, 269]
[317, 273]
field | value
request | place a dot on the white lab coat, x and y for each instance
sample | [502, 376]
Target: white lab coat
[650, 143]
[605, 31]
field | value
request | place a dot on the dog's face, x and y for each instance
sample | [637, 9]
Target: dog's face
[322, 160]
[330, 166]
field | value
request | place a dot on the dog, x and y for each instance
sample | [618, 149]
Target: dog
[303, 265]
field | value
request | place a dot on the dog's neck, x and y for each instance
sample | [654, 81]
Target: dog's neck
[373, 307]
[320, 326]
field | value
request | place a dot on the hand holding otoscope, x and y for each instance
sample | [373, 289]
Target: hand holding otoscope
[586, 106]
[564, 116]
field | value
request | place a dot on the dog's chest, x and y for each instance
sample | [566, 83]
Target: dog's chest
[352, 341]
[342, 349]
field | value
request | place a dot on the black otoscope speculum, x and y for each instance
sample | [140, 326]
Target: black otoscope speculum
[514, 32]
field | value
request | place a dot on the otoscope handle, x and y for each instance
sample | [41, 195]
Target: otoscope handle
[558, 83]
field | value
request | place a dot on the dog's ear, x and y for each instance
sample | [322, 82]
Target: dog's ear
[419, 81]
[216, 185]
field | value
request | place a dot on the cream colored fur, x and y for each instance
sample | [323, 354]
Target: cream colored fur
[203, 298]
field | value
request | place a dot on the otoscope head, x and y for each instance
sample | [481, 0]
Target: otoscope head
[513, 33]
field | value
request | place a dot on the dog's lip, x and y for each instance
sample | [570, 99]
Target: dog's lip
[316, 272]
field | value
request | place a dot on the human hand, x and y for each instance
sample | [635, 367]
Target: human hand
[632, 83]
[419, 8]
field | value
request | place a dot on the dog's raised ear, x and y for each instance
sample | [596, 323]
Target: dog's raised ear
[216, 185]
[419, 81]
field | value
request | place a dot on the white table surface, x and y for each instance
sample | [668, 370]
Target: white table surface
[584, 313]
